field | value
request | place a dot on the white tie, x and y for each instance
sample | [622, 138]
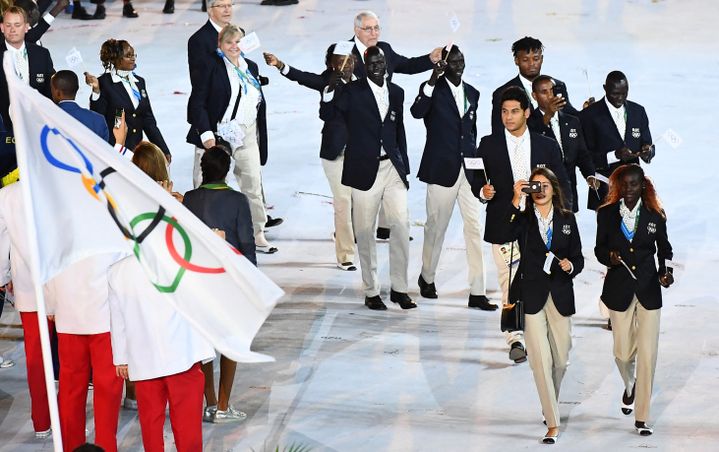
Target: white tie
[554, 122]
[620, 122]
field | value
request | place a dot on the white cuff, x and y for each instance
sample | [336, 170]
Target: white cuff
[611, 158]
[285, 70]
[427, 90]
[48, 18]
[94, 96]
[209, 135]
[123, 151]
[571, 267]
[327, 96]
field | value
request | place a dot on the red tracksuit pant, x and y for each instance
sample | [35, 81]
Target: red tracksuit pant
[40, 412]
[79, 353]
[185, 392]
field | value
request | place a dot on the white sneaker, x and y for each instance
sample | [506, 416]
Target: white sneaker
[263, 246]
[230, 415]
[44, 434]
[5, 363]
[346, 266]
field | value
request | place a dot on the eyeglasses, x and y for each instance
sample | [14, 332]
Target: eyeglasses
[371, 29]
[130, 56]
[225, 6]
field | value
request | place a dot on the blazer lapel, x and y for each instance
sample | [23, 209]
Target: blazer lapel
[370, 99]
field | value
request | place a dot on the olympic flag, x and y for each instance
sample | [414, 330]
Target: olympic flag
[85, 199]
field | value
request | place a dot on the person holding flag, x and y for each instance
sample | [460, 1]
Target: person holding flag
[448, 106]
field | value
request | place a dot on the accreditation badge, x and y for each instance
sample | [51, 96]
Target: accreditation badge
[510, 253]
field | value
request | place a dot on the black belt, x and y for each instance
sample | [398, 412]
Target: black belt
[383, 157]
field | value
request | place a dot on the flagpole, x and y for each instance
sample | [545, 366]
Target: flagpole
[34, 259]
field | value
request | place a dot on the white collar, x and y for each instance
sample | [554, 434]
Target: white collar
[612, 108]
[360, 47]
[117, 79]
[65, 101]
[624, 210]
[241, 63]
[525, 83]
[13, 49]
[555, 116]
[452, 85]
[214, 25]
[520, 139]
[376, 87]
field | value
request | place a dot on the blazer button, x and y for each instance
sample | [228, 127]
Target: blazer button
[631, 250]
[461, 136]
[134, 115]
[134, 130]
[634, 267]
[461, 154]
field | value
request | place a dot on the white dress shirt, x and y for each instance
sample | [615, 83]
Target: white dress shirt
[527, 85]
[629, 217]
[520, 158]
[554, 124]
[381, 96]
[250, 98]
[619, 115]
[20, 62]
[148, 334]
[361, 48]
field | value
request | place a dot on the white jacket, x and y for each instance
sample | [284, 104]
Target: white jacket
[13, 248]
[148, 334]
[78, 296]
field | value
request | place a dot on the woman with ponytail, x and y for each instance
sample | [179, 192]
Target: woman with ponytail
[631, 235]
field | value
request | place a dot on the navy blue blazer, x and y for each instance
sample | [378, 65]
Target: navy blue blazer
[227, 210]
[574, 149]
[368, 133]
[395, 62]
[532, 284]
[210, 99]
[114, 96]
[450, 137]
[493, 150]
[92, 120]
[334, 131]
[497, 125]
[650, 239]
[602, 137]
[40, 71]
[200, 47]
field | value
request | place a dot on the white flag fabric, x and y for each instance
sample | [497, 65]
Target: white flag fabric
[86, 199]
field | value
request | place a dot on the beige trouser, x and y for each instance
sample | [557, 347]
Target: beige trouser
[503, 277]
[389, 191]
[636, 338]
[342, 204]
[248, 173]
[440, 204]
[548, 337]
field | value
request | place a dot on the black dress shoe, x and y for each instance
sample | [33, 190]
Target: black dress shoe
[481, 302]
[271, 222]
[169, 7]
[99, 12]
[81, 14]
[129, 11]
[517, 353]
[427, 290]
[375, 303]
[402, 299]
[383, 233]
[628, 401]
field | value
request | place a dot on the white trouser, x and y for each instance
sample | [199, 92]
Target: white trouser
[636, 339]
[390, 192]
[247, 171]
[503, 277]
[342, 203]
[548, 337]
[440, 204]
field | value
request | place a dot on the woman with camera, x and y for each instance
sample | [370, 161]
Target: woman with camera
[228, 107]
[551, 256]
[631, 233]
[119, 90]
